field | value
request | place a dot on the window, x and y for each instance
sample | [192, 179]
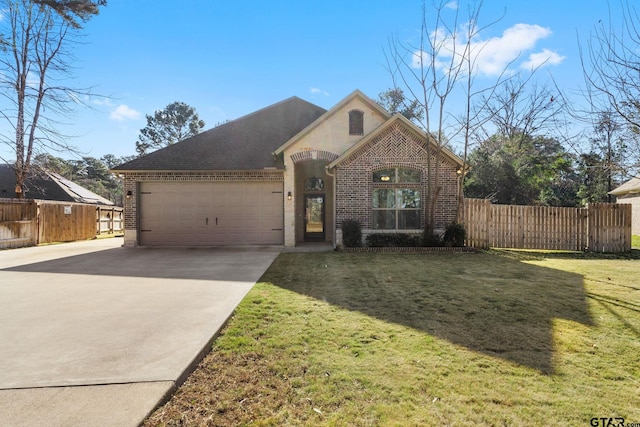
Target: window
[396, 199]
[314, 184]
[356, 122]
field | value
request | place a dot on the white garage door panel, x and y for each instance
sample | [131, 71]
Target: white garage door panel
[208, 214]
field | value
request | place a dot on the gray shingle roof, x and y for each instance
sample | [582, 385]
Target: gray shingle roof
[45, 185]
[246, 143]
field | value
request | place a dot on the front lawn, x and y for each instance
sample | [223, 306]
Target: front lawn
[496, 338]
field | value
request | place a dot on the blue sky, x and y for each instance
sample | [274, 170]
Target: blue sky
[228, 58]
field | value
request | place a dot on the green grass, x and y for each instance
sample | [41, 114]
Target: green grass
[497, 338]
[635, 241]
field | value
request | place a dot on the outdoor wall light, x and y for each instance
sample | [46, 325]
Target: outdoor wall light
[460, 171]
[129, 194]
[289, 195]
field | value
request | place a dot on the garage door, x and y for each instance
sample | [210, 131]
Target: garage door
[210, 214]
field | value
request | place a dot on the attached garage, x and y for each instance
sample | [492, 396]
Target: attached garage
[223, 186]
[210, 213]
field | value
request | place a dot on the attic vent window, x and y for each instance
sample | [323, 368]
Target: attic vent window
[356, 122]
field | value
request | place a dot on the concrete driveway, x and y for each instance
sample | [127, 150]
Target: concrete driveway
[95, 334]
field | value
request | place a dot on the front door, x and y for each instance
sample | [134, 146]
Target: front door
[314, 217]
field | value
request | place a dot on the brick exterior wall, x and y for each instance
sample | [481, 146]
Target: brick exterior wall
[132, 179]
[395, 147]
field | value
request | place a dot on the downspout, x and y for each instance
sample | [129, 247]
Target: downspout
[335, 219]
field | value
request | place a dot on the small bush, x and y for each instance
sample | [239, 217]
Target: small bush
[454, 235]
[430, 239]
[351, 234]
[392, 240]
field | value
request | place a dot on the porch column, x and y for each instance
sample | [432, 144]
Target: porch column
[289, 205]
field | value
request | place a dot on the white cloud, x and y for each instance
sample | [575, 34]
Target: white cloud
[124, 112]
[546, 57]
[452, 5]
[106, 102]
[316, 91]
[494, 55]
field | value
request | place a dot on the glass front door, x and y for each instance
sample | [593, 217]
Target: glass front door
[314, 217]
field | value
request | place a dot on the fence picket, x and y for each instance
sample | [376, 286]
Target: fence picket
[602, 227]
[31, 222]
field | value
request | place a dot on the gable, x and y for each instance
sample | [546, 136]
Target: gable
[399, 139]
[331, 131]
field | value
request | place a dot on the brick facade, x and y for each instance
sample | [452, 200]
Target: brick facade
[396, 146]
[327, 149]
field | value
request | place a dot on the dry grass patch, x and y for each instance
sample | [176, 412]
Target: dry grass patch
[397, 339]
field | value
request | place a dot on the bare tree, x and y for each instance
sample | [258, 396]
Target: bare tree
[472, 121]
[611, 69]
[519, 109]
[444, 61]
[612, 64]
[34, 67]
[608, 142]
[428, 80]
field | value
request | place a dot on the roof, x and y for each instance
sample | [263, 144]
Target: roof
[396, 118]
[48, 186]
[631, 186]
[353, 95]
[246, 143]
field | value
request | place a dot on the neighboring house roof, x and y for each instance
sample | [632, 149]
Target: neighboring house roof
[246, 143]
[395, 119]
[355, 94]
[48, 186]
[631, 186]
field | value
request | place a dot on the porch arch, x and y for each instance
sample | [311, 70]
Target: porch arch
[302, 156]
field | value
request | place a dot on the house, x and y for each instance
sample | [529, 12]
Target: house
[629, 193]
[45, 185]
[288, 173]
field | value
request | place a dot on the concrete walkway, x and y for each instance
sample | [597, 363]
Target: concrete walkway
[94, 334]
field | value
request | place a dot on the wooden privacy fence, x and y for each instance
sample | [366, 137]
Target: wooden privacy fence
[32, 222]
[600, 227]
[18, 224]
[110, 219]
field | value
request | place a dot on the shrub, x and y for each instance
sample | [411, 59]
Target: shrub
[351, 234]
[430, 239]
[392, 240]
[455, 234]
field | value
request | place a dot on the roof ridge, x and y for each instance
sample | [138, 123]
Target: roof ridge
[261, 110]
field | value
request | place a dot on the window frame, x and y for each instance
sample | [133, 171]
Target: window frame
[398, 213]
